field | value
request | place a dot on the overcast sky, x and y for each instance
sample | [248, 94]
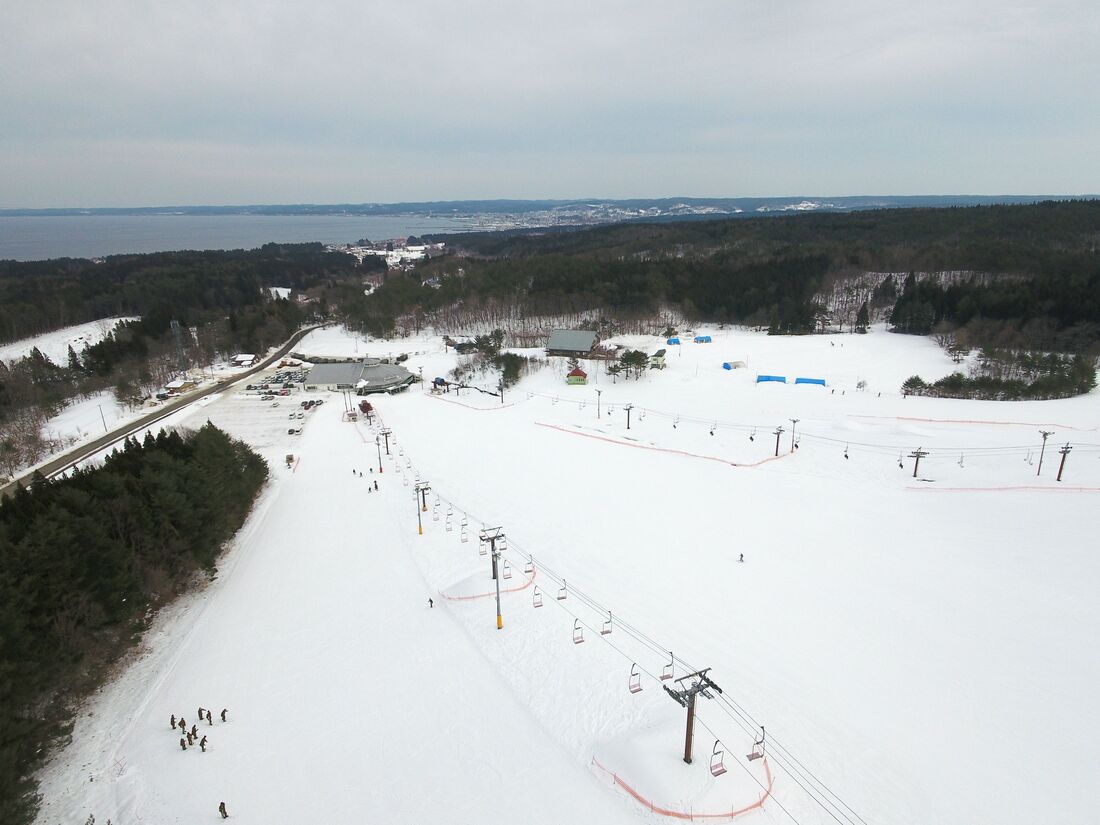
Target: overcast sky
[109, 103]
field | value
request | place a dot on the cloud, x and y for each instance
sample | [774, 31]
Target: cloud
[204, 102]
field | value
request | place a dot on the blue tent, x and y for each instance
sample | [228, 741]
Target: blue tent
[727, 366]
[820, 381]
[672, 341]
[702, 339]
[760, 379]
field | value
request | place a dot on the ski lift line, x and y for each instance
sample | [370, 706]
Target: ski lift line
[647, 641]
[720, 424]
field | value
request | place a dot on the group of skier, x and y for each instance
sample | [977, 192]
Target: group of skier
[371, 486]
[190, 737]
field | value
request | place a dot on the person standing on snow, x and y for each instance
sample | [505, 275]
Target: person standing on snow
[742, 557]
[209, 718]
[202, 744]
[224, 712]
[173, 721]
[375, 485]
[183, 725]
[222, 811]
[431, 603]
[183, 743]
[195, 731]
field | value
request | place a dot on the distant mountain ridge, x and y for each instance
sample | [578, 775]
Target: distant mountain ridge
[585, 210]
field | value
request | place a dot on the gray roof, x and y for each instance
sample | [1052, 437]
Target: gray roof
[573, 340]
[326, 374]
[370, 376]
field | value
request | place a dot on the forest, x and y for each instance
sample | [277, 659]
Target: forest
[84, 562]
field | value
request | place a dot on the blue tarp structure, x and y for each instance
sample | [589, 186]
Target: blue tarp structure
[672, 341]
[820, 381]
[440, 382]
[727, 366]
[702, 339]
[760, 379]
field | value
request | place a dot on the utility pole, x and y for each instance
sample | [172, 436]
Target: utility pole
[685, 696]
[1064, 451]
[778, 432]
[101, 418]
[794, 423]
[598, 394]
[492, 535]
[421, 488]
[378, 444]
[628, 408]
[386, 431]
[918, 454]
[1045, 434]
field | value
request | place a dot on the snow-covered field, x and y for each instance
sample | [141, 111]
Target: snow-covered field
[55, 345]
[917, 648]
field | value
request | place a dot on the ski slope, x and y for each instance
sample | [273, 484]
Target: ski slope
[916, 647]
[55, 345]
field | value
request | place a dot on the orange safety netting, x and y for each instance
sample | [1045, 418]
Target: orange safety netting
[491, 594]
[669, 450]
[689, 815]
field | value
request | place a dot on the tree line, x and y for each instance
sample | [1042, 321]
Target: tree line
[84, 558]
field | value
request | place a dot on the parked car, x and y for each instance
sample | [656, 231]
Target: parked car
[274, 403]
[266, 397]
[294, 431]
[301, 415]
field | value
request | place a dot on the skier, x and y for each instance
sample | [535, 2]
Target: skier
[375, 485]
[224, 712]
[202, 744]
[742, 557]
[190, 739]
[183, 743]
[431, 604]
[222, 811]
[183, 725]
[200, 713]
[195, 731]
[209, 718]
[173, 721]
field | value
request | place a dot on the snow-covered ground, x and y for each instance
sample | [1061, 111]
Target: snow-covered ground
[55, 345]
[917, 648]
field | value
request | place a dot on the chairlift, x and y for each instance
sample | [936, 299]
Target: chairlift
[757, 747]
[507, 569]
[635, 683]
[408, 464]
[502, 544]
[536, 598]
[435, 513]
[529, 568]
[405, 480]
[667, 670]
[465, 521]
[465, 536]
[606, 629]
[752, 435]
[482, 550]
[901, 464]
[449, 525]
[845, 451]
[562, 591]
[450, 511]
[437, 501]
[578, 632]
[717, 760]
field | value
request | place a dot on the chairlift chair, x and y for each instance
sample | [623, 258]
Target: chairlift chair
[449, 526]
[405, 480]
[562, 592]
[408, 464]
[529, 568]
[667, 670]
[717, 760]
[507, 569]
[435, 513]
[465, 521]
[464, 536]
[758, 747]
[536, 598]
[483, 550]
[578, 632]
[606, 629]
[635, 683]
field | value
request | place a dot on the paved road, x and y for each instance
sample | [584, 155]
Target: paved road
[78, 454]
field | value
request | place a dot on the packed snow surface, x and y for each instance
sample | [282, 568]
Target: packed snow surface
[915, 646]
[55, 345]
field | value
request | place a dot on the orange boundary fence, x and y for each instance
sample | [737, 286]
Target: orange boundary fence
[668, 450]
[529, 582]
[689, 815]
